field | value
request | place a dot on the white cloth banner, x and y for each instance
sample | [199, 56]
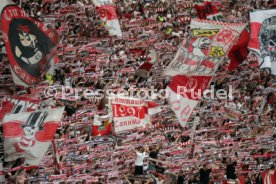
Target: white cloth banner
[29, 134]
[182, 107]
[129, 113]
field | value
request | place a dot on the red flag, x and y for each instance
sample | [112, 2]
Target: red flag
[29, 44]
[107, 13]
[205, 9]
[239, 52]
[269, 177]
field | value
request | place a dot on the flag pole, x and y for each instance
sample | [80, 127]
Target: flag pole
[195, 123]
[261, 109]
[20, 3]
[55, 157]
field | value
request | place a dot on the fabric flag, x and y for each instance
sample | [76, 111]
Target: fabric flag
[145, 68]
[184, 94]
[2, 174]
[208, 46]
[29, 43]
[129, 113]
[102, 125]
[269, 177]
[28, 135]
[262, 37]
[107, 13]
[239, 52]
[153, 108]
[17, 104]
[205, 9]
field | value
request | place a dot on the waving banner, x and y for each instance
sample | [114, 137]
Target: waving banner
[2, 174]
[262, 37]
[102, 125]
[208, 46]
[28, 135]
[186, 63]
[17, 104]
[129, 113]
[107, 13]
[184, 94]
[29, 44]
[145, 68]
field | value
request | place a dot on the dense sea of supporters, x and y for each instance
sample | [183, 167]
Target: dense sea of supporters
[236, 145]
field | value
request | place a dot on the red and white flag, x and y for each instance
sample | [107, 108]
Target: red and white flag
[145, 68]
[107, 13]
[129, 113]
[2, 174]
[30, 44]
[153, 108]
[184, 94]
[102, 125]
[269, 177]
[262, 37]
[17, 104]
[28, 135]
[205, 9]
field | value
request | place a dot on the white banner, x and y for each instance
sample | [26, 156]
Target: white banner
[129, 113]
[28, 135]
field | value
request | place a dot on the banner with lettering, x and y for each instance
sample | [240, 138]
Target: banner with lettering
[129, 113]
[30, 44]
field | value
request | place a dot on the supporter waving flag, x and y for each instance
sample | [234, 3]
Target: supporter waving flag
[107, 13]
[102, 125]
[29, 44]
[145, 68]
[28, 135]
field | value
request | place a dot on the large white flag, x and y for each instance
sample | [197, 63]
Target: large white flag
[28, 135]
[184, 94]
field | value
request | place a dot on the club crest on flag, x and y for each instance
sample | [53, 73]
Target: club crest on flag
[29, 134]
[29, 45]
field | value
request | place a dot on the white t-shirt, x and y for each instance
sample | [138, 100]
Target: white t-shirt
[140, 158]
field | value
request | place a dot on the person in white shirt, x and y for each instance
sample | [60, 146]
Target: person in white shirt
[141, 154]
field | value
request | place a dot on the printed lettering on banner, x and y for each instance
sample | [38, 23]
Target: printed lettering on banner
[129, 113]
